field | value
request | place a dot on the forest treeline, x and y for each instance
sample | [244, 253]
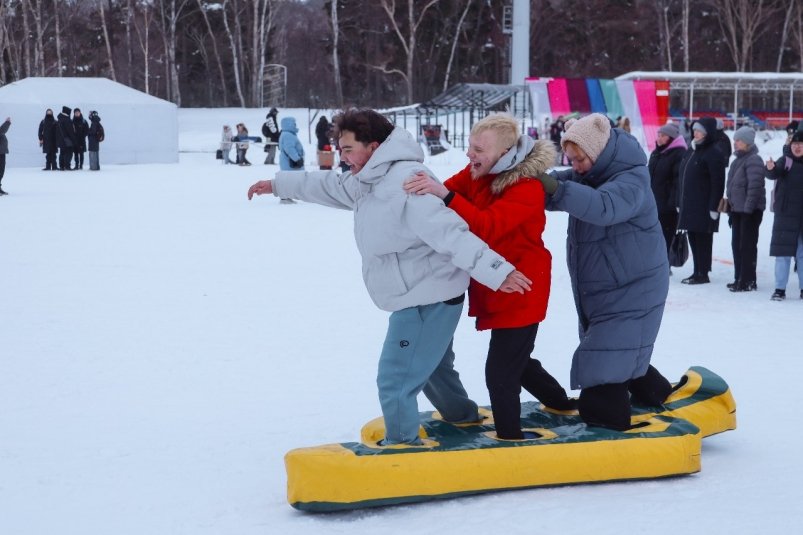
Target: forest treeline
[379, 53]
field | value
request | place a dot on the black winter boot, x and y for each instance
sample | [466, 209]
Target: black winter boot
[650, 389]
[606, 406]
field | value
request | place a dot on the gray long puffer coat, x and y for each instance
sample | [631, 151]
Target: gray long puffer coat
[617, 261]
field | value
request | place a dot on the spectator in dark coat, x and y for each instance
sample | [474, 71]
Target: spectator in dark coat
[48, 140]
[270, 130]
[664, 171]
[95, 137]
[787, 228]
[3, 151]
[747, 199]
[323, 131]
[702, 184]
[81, 131]
[65, 138]
[618, 267]
[722, 141]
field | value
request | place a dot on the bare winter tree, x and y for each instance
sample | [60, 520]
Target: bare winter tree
[686, 44]
[203, 7]
[408, 42]
[742, 22]
[335, 52]
[785, 32]
[236, 51]
[143, 30]
[169, 15]
[262, 20]
[455, 40]
[105, 28]
[59, 62]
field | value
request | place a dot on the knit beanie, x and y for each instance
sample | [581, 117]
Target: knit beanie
[65, 110]
[591, 133]
[670, 129]
[699, 127]
[797, 137]
[746, 135]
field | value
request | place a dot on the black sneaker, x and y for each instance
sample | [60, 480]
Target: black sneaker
[731, 285]
[4, 193]
[745, 287]
[780, 295]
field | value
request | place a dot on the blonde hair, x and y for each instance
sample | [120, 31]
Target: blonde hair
[504, 125]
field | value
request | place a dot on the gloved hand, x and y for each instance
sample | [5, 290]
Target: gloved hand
[549, 182]
[714, 215]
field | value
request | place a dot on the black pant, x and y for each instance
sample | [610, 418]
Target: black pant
[79, 159]
[65, 158]
[2, 166]
[608, 405]
[701, 245]
[50, 160]
[507, 369]
[669, 225]
[744, 242]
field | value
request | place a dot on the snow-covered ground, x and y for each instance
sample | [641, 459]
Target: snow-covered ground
[164, 342]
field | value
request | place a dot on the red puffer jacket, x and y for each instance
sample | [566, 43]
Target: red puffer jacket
[507, 212]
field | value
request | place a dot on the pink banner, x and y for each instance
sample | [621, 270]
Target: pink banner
[559, 97]
[645, 94]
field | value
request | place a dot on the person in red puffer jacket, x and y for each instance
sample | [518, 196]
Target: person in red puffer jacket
[503, 204]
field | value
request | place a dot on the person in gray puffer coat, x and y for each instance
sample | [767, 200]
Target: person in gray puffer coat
[619, 270]
[747, 199]
[417, 258]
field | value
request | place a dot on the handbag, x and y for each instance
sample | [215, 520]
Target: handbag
[219, 154]
[724, 206]
[679, 249]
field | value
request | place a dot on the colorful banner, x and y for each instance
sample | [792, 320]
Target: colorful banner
[578, 95]
[627, 94]
[539, 98]
[612, 100]
[595, 96]
[662, 100]
[558, 97]
[645, 95]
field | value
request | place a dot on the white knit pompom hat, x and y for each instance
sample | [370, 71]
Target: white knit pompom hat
[591, 133]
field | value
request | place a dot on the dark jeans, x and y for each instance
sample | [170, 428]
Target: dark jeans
[669, 225]
[744, 242]
[701, 245]
[2, 166]
[507, 369]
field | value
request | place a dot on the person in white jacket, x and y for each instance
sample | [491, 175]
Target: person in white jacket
[417, 259]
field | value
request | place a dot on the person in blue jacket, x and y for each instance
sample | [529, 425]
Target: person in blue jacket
[616, 255]
[291, 152]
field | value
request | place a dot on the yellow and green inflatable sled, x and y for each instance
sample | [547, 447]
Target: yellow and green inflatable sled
[458, 460]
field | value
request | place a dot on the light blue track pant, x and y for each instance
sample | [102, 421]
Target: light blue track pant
[417, 355]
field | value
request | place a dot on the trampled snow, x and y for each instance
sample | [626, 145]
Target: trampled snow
[164, 342]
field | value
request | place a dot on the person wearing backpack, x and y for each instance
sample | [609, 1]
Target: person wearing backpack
[94, 138]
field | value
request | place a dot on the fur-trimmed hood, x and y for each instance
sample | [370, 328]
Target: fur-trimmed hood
[541, 157]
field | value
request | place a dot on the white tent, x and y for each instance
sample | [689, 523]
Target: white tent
[139, 128]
